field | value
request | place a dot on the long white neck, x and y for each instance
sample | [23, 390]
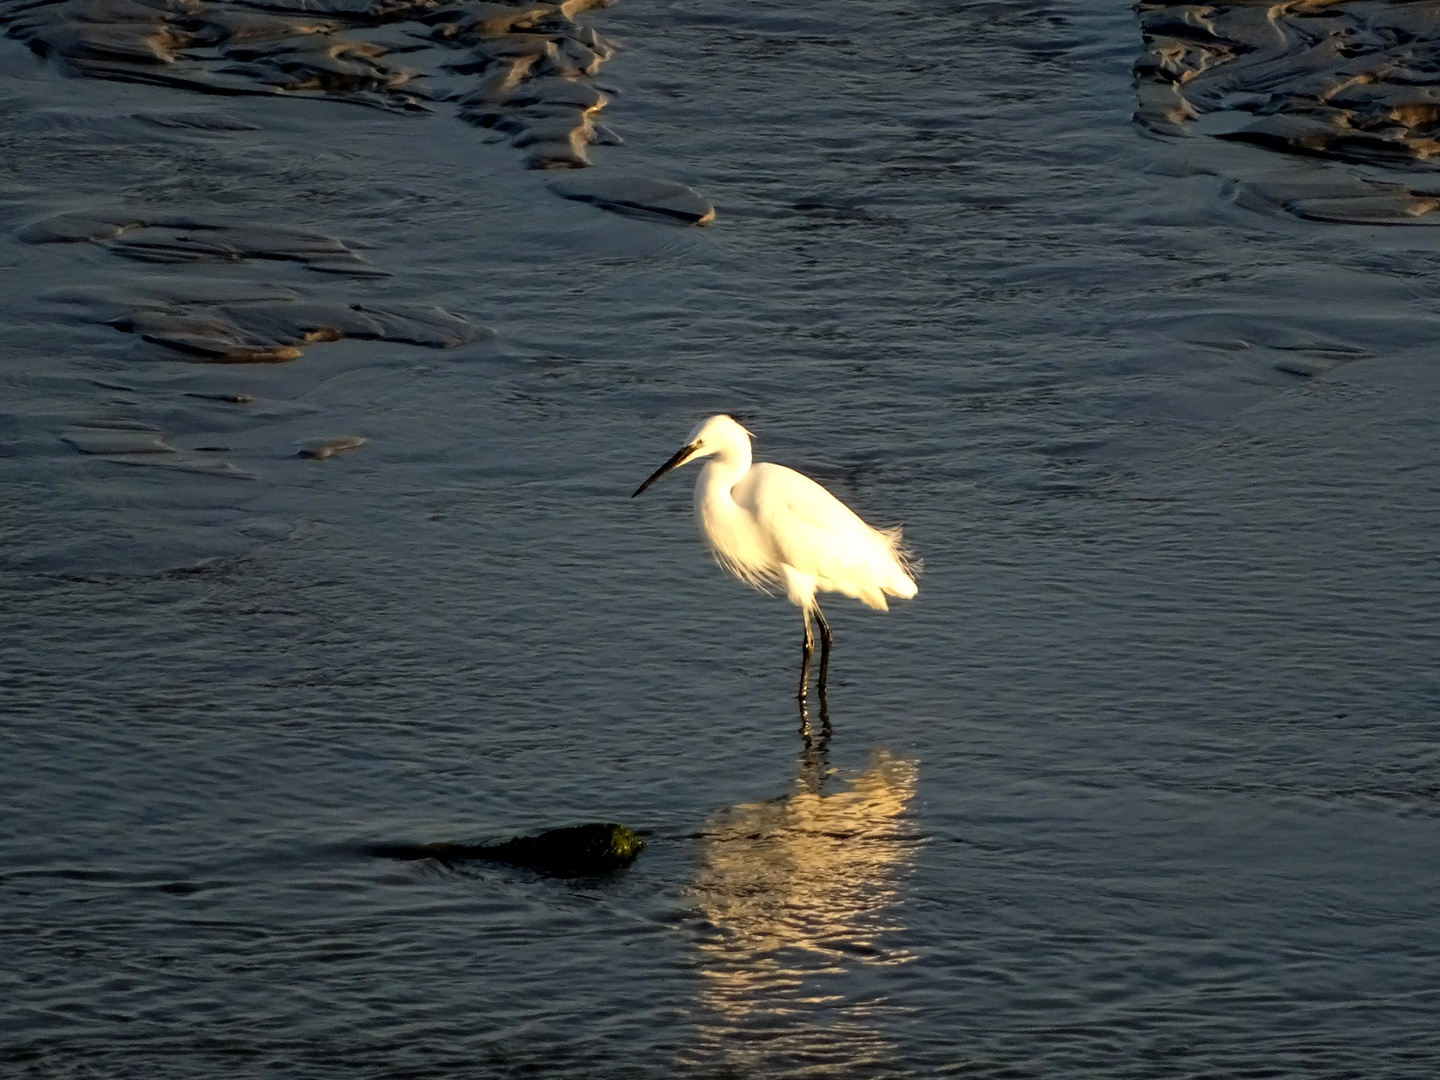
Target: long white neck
[716, 514]
[724, 469]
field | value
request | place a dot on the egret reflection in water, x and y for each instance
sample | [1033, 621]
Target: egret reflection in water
[798, 889]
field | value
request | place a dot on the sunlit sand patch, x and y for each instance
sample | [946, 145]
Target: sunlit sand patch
[1349, 80]
[225, 48]
[798, 887]
[529, 87]
[518, 69]
[526, 58]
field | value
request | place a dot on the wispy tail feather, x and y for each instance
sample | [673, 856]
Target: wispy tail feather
[909, 566]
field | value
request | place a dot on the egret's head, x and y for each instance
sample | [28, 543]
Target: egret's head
[713, 436]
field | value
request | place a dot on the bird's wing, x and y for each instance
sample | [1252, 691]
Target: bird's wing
[817, 534]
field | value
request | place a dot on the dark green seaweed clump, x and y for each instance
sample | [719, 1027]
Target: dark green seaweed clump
[575, 851]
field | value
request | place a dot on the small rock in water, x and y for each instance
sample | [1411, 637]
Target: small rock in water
[637, 196]
[576, 851]
[1309, 368]
[321, 449]
[232, 399]
[580, 849]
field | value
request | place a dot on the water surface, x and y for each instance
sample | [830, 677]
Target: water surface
[1142, 784]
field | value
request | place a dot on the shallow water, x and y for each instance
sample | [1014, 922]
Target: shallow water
[1144, 783]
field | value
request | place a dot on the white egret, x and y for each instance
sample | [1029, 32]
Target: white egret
[773, 527]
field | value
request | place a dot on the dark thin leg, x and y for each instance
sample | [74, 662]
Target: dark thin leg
[807, 732]
[814, 756]
[825, 639]
[807, 646]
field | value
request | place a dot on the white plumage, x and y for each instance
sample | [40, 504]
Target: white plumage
[773, 527]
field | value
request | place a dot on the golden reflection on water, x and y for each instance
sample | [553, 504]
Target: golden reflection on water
[799, 891]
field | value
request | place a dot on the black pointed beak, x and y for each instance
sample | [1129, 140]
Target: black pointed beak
[681, 456]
